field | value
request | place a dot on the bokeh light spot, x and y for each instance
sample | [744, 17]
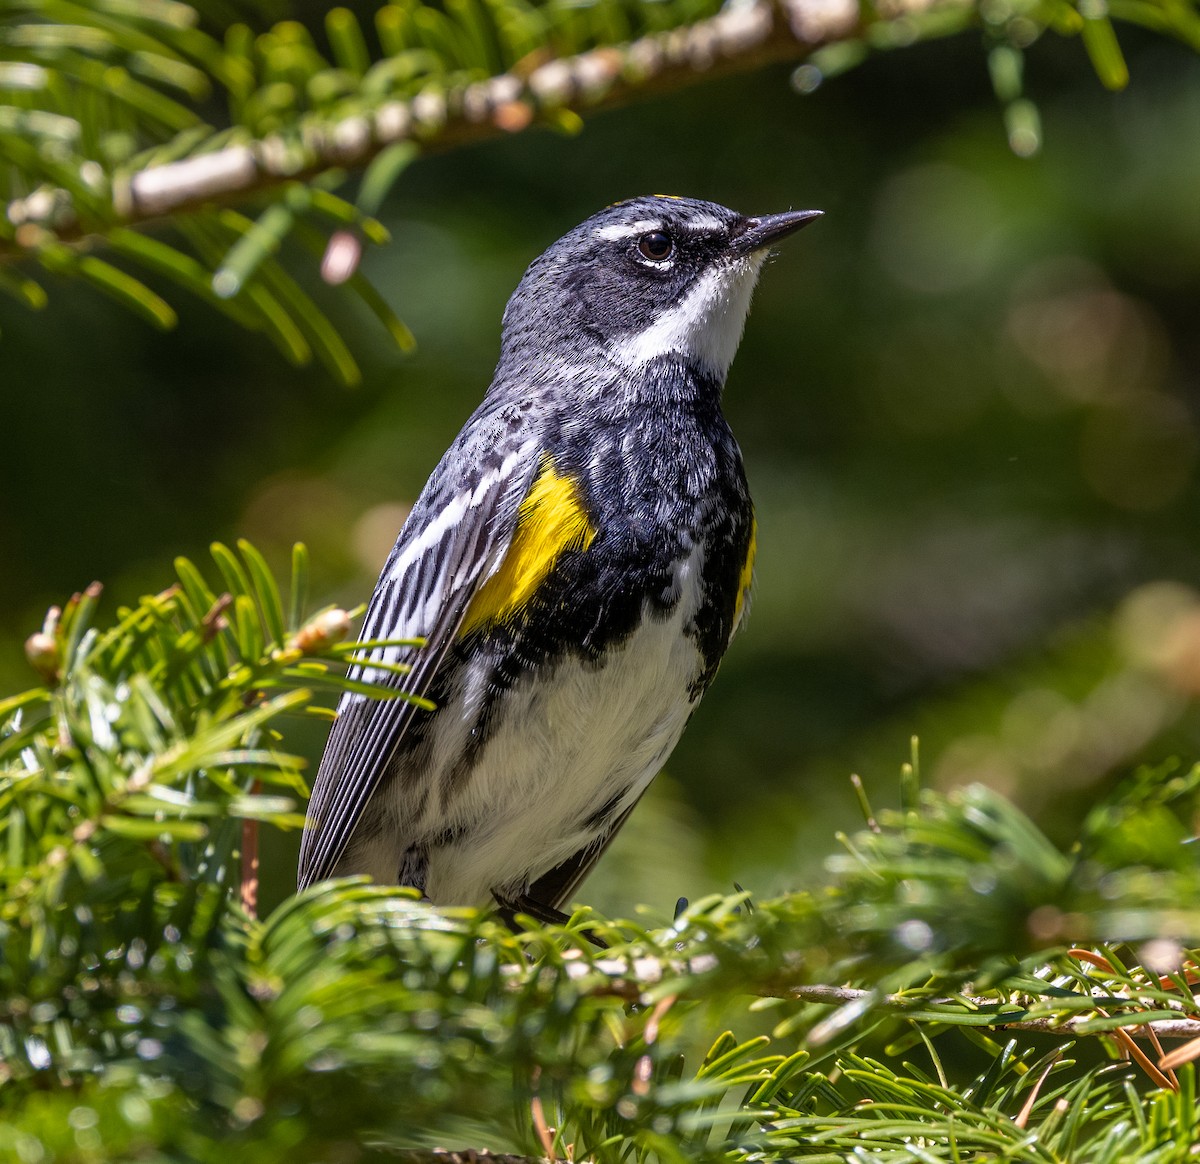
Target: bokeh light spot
[375, 532]
[937, 228]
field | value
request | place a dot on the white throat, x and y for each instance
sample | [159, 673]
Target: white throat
[705, 325]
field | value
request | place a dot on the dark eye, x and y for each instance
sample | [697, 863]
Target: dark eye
[656, 245]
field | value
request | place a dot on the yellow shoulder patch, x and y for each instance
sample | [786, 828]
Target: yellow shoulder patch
[747, 575]
[551, 520]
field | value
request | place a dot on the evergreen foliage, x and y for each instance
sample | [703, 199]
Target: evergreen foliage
[963, 987]
[145, 1013]
[115, 114]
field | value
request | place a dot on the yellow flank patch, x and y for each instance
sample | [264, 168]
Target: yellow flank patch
[551, 520]
[747, 575]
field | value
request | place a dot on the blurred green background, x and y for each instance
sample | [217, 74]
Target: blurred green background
[967, 400]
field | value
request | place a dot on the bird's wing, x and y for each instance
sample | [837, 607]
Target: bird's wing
[454, 540]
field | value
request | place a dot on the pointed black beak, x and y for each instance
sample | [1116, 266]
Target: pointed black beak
[761, 232]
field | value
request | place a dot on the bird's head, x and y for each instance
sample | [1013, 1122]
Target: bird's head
[643, 279]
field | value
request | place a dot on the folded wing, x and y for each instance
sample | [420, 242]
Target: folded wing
[455, 539]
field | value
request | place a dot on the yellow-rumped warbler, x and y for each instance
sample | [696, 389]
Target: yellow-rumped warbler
[576, 564]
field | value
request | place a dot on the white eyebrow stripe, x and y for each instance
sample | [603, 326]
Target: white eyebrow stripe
[705, 224]
[628, 230]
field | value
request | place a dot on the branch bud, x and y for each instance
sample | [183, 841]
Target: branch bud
[322, 631]
[42, 652]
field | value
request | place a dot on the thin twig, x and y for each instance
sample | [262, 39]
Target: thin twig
[1131, 1049]
[630, 980]
[645, 1065]
[250, 860]
[841, 995]
[1031, 1100]
[467, 1156]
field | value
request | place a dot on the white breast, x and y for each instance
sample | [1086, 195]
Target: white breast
[567, 741]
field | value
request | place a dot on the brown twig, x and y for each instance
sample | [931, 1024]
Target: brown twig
[466, 1156]
[1181, 1028]
[1131, 1049]
[1026, 1111]
[645, 1065]
[1181, 1055]
[631, 978]
[214, 622]
[250, 860]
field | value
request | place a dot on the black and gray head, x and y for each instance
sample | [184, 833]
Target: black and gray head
[647, 278]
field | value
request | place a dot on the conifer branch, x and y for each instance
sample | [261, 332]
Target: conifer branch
[465, 1156]
[631, 979]
[742, 37]
[1181, 1028]
[153, 1001]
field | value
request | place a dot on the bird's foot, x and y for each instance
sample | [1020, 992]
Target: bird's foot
[509, 907]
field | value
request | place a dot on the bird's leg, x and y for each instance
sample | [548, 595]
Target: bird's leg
[509, 907]
[414, 869]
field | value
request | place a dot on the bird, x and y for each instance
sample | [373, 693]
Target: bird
[573, 571]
